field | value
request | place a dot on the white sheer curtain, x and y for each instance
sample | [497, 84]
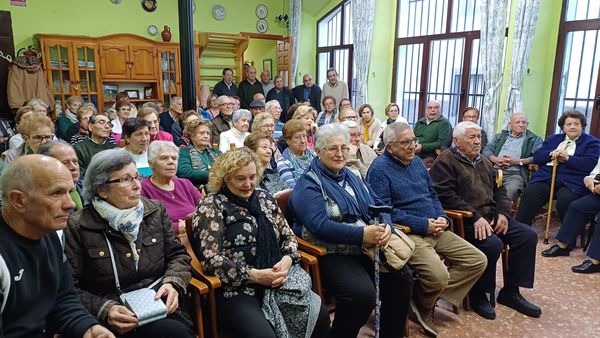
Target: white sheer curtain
[493, 27]
[524, 32]
[294, 31]
[363, 12]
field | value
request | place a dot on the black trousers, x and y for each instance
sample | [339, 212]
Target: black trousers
[171, 327]
[536, 195]
[522, 240]
[241, 316]
[349, 279]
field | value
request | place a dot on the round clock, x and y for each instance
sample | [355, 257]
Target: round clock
[152, 30]
[149, 5]
[262, 26]
[218, 12]
[261, 11]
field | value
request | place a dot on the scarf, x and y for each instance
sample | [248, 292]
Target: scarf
[198, 163]
[125, 221]
[299, 163]
[70, 116]
[267, 248]
[357, 206]
[366, 136]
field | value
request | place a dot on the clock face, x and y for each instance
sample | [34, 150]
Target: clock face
[218, 12]
[261, 11]
[262, 26]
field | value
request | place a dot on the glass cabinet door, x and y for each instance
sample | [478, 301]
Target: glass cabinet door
[169, 62]
[87, 76]
[59, 74]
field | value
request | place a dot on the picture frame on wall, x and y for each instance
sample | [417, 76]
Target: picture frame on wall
[110, 91]
[133, 94]
[268, 65]
[148, 92]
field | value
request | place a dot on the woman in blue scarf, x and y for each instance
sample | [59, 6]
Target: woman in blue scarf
[330, 204]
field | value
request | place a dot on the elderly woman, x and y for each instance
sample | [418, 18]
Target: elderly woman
[211, 109]
[331, 208]
[235, 136]
[123, 110]
[196, 158]
[37, 128]
[136, 234]
[97, 141]
[296, 157]
[178, 126]
[242, 237]
[329, 113]
[370, 126]
[137, 139]
[177, 195]
[576, 153]
[261, 145]
[38, 105]
[307, 114]
[68, 117]
[150, 115]
[265, 124]
[17, 140]
[345, 104]
[274, 108]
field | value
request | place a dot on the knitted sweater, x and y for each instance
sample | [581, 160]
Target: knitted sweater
[232, 136]
[408, 189]
[433, 135]
[85, 150]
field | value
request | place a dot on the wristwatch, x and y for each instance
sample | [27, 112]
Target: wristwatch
[520, 162]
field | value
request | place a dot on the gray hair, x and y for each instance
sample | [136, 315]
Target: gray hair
[328, 130]
[176, 99]
[460, 129]
[332, 70]
[391, 132]
[270, 104]
[350, 124]
[519, 113]
[238, 114]
[17, 175]
[152, 105]
[35, 102]
[100, 168]
[154, 150]
[48, 147]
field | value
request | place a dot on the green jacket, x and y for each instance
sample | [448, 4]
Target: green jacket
[85, 150]
[62, 125]
[434, 135]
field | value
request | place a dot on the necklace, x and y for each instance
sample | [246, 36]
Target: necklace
[169, 188]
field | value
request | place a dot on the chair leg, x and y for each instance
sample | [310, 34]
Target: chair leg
[212, 304]
[198, 308]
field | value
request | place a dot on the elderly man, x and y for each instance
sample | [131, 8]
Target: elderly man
[360, 156]
[65, 153]
[512, 150]
[248, 87]
[265, 81]
[281, 94]
[172, 115]
[432, 131]
[334, 87]
[36, 290]
[272, 107]
[226, 86]
[257, 107]
[222, 122]
[464, 180]
[308, 91]
[391, 176]
[98, 140]
[347, 114]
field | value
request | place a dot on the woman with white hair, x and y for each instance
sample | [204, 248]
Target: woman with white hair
[177, 195]
[235, 136]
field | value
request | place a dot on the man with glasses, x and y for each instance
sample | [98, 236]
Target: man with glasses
[347, 115]
[512, 150]
[432, 131]
[360, 155]
[308, 91]
[98, 140]
[274, 108]
[222, 122]
[226, 86]
[401, 180]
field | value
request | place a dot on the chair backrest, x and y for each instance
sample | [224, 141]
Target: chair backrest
[283, 200]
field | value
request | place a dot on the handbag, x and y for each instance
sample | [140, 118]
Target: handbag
[396, 253]
[142, 301]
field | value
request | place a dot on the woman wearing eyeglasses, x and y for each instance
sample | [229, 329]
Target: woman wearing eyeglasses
[37, 128]
[296, 157]
[142, 244]
[98, 140]
[137, 139]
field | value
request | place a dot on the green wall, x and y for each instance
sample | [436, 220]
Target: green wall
[101, 17]
[259, 50]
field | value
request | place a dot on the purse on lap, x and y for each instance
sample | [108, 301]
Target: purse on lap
[396, 253]
[142, 301]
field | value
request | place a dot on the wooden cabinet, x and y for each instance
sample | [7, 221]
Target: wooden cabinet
[120, 62]
[170, 75]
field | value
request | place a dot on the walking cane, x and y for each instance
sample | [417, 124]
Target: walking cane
[552, 181]
[376, 211]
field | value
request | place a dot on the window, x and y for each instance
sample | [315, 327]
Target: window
[437, 57]
[576, 84]
[334, 45]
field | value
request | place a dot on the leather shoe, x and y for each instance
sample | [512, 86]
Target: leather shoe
[481, 306]
[586, 267]
[514, 300]
[556, 251]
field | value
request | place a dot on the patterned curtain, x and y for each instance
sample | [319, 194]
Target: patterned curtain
[493, 27]
[524, 31]
[294, 31]
[363, 12]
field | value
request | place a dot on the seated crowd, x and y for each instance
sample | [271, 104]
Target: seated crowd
[121, 187]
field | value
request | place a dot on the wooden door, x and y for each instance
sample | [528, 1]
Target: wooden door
[114, 62]
[284, 61]
[58, 62]
[85, 62]
[143, 63]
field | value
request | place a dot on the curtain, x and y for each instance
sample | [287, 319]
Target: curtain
[363, 12]
[524, 31]
[294, 31]
[493, 27]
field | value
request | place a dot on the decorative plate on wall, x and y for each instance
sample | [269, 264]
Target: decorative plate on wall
[152, 30]
[262, 11]
[218, 12]
[262, 26]
[149, 5]
[116, 2]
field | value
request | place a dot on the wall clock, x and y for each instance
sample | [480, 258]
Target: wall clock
[149, 5]
[218, 12]
[262, 26]
[116, 2]
[262, 11]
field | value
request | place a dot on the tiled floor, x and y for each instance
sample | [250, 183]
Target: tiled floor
[570, 304]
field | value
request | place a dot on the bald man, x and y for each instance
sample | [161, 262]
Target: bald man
[65, 153]
[36, 288]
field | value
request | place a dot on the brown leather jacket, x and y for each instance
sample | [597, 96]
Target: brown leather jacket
[161, 255]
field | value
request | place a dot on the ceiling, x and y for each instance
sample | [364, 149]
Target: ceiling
[313, 7]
